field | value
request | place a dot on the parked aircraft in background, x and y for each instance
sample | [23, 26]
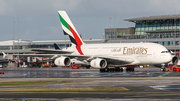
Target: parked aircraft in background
[56, 47]
[57, 50]
[106, 55]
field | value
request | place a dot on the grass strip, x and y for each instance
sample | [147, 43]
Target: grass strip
[70, 89]
[20, 83]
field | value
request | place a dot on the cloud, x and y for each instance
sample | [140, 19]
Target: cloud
[69, 5]
[3, 7]
[36, 7]
[39, 18]
[165, 6]
[87, 7]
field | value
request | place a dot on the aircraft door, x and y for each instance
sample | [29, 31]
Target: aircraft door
[154, 54]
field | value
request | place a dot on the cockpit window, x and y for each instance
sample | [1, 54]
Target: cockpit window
[164, 52]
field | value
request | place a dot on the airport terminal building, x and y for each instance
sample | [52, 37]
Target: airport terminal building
[24, 46]
[163, 30]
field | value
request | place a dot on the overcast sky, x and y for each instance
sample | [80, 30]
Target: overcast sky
[39, 19]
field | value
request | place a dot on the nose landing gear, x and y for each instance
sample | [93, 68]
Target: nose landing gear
[163, 67]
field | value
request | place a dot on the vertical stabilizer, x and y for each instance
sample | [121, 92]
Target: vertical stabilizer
[56, 47]
[69, 29]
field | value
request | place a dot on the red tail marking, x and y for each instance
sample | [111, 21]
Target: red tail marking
[79, 50]
[78, 40]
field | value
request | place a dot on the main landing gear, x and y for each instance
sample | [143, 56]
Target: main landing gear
[117, 69]
[130, 69]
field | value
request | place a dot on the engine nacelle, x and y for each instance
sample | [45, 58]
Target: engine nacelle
[62, 61]
[175, 60]
[98, 63]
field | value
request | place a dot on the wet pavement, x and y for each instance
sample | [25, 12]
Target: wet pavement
[76, 73]
[144, 83]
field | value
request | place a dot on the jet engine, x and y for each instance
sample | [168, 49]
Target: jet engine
[98, 63]
[62, 61]
[175, 60]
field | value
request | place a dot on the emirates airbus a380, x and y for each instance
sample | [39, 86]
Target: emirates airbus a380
[106, 55]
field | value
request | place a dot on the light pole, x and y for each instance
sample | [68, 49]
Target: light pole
[114, 27]
[18, 40]
[13, 34]
[110, 27]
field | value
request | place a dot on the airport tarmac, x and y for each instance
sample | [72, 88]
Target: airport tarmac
[76, 73]
[147, 83]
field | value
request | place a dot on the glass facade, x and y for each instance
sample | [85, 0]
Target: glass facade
[142, 27]
[148, 29]
[9, 47]
[118, 33]
[166, 29]
[153, 36]
[168, 43]
[112, 34]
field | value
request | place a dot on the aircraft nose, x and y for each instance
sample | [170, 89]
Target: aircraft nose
[166, 58]
[169, 57]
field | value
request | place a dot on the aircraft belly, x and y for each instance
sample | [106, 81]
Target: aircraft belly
[145, 59]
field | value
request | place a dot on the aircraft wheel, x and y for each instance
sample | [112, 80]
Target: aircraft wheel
[114, 69]
[88, 67]
[111, 69]
[121, 69]
[130, 69]
[106, 69]
[117, 69]
[102, 70]
[133, 69]
[127, 69]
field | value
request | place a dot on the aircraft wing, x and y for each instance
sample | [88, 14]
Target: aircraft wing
[51, 51]
[110, 59]
[53, 56]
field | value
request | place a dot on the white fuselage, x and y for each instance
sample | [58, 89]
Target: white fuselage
[140, 53]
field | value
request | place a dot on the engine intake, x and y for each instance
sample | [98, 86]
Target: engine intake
[62, 61]
[175, 60]
[98, 63]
